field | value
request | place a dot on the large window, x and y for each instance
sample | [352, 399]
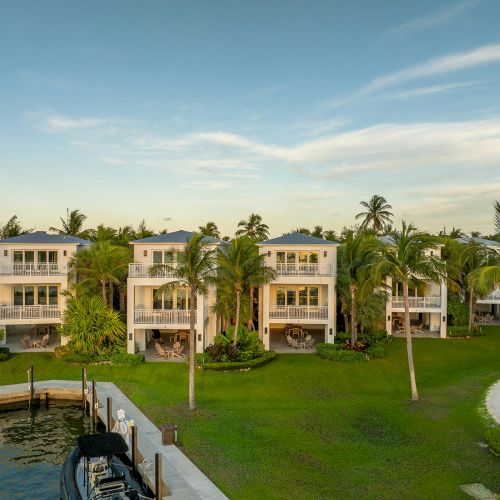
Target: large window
[297, 295]
[28, 295]
[172, 299]
[164, 257]
[30, 256]
[304, 257]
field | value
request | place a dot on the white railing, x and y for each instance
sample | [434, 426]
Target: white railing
[417, 302]
[31, 269]
[298, 312]
[303, 270]
[491, 297]
[144, 271]
[29, 312]
[161, 316]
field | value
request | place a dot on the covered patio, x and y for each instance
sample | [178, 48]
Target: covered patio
[167, 340]
[278, 341]
[16, 334]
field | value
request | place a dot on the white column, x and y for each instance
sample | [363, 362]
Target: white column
[444, 310]
[130, 317]
[332, 312]
[200, 333]
[265, 316]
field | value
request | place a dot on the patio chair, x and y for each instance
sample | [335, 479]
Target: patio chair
[26, 342]
[290, 341]
[177, 352]
[309, 342]
[45, 341]
[296, 344]
[162, 353]
[488, 319]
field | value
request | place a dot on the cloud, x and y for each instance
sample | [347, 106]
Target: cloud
[431, 90]
[207, 185]
[58, 123]
[436, 18]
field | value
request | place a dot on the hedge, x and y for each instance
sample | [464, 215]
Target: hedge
[375, 351]
[493, 439]
[334, 352]
[4, 353]
[235, 365]
[463, 331]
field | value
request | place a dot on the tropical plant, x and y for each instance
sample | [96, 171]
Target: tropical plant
[91, 327]
[100, 266]
[330, 235]
[143, 231]
[196, 270]
[317, 232]
[496, 216]
[253, 228]
[210, 229]
[407, 258]
[377, 214]
[102, 233]
[73, 224]
[12, 228]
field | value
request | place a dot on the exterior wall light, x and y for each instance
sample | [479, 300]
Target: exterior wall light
[389, 318]
[265, 330]
[444, 319]
[199, 337]
[5, 253]
[269, 253]
[325, 253]
[331, 331]
[65, 253]
[145, 253]
[131, 336]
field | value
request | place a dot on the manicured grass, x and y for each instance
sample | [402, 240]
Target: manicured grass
[305, 427]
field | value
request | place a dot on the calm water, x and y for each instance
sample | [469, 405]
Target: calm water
[33, 446]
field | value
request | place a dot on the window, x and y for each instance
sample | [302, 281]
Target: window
[290, 296]
[280, 296]
[53, 295]
[168, 299]
[171, 299]
[18, 296]
[29, 257]
[157, 257]
[42, 295]
[290, 258]
[53, 257]
[303, 296]
[18, 257]
[303, 257]
[169, 257]
[164, 257]
[297, 295]
[29, 295]
[313, 296]
[280, 257]
[313, 258]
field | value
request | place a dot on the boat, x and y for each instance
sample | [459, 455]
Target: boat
[98, 469]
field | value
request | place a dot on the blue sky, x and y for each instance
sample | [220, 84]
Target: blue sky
[297, 110]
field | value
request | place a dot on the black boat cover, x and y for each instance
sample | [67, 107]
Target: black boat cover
[102, 445]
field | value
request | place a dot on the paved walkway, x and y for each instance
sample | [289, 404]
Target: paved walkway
[493, 401]
[184, 480]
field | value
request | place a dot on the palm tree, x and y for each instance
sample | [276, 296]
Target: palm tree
[210, 229]
[496, 216]
[196, 270]
[317, 232]
[143, 231]
[377, 213]
[406, 257]
[73, 224]
[102, 233]
[12, 228]
[241, 266]
[330, 235]
[355, 259]
[101, 266]
[253, 228]
[125, 235]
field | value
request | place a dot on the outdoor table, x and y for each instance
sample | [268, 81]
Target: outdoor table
[36, 342]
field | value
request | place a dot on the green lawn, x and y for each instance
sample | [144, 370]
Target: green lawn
[304, 427]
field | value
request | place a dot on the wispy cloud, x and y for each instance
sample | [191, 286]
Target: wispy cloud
[433, 89]
[435, 18]
[58, 123]
[207, 185]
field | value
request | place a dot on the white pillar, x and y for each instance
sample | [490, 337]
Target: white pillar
[199, 326]
[444, 310]
[332, 313]
[130, 318]
[266, 332]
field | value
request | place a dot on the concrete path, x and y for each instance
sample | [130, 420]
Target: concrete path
[493, 402]
[183, 479]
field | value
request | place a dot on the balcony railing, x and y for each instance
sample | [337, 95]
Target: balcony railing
[298, 312]
[491, 297]
[30, 312]
[304, 270]
[144, 271]
[32, 269]
[161, 316]
[417, 302]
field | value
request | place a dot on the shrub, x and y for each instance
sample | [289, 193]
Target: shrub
[458, 313]
[334, 352]
[374, 337]
[375, 351]
[235, 365]
[4, 353]
[493, 439]
[247, 347]
[341, 337]
[2, 334]
[123, 358]
[463, 331]
[61, 351]
[360, 345]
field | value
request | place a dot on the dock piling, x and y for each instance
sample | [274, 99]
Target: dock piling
[31, 385]
[134, 447]
[95, 403]
[84, 390]
[109, 414]
[158, 478]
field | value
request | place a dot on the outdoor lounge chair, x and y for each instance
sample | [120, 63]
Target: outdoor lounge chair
[162, 353]
[290, 341]
[488, 319]
[177, 352]
[309, 342]
[26, 342]
[45, 341]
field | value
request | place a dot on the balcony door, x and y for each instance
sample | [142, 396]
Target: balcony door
[32, 257]
[168, 257]
[172, 299]
[29, 295]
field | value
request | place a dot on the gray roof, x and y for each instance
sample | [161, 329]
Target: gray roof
[175, 237]
[41, 237]
[297, 239]
[481, 241]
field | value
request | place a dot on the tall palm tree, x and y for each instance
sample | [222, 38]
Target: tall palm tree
[101, 266]
[317, 232]
[377, 214]
[406, 257]
[143, 231]
[241, 266]
[12, 228]
[73, 224]
[253, 228]
[210, 229]
[330, 235]
[355, 260]
[496, 216]
[102, 233]
[196, 270]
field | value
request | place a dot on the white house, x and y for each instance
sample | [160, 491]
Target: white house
[304, 291]
[168, 312]
[33, 275]
[491, 303]
[428, 306]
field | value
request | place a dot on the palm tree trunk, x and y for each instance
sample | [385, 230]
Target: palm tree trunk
[409, 346]
[192, 350]
[346, 322]
[471, 307]
[103, 285]
[354, 319]
[111, 290]
[237, 318]
[250, 321]
[123, 298]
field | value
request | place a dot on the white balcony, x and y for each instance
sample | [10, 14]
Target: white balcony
[144, 271]
[304, 270]
[417, 302]
[30, 312]
[298, 312]
[492, 297]
[32, 269]
[161, 316]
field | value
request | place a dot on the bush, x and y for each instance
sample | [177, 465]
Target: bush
[224, 349]
[123, 358]
[493, 439]
[61, 351]
[463, 331]
[334, 352]
[2, 334]
[374, 337]
[458, 313]
[341, 337]
[4, 353]
[204, 362]
[375, 351]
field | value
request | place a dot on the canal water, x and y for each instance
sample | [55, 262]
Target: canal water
[33, 446]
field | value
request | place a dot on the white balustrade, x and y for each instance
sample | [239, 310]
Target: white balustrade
[29, 312]
[32, 269]
[161, 316]
[304, 270]
[149, 271]
[298, 312]
[417, 302]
